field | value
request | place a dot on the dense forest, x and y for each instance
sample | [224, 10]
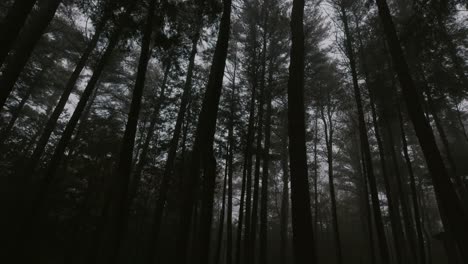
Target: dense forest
[234, 131]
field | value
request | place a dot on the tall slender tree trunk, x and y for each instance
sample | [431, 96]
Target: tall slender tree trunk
[328, 130]
[247, 181]
[202, 158]
[303, 234]
[316, 175]
[136, 179]
[71, 83]
[171, 156]
[285, 193]
[368, 210]
[219, 239]
[25, 45]
[258, 158]
[232, 109]
[382, 241]
[414, 194]
[449, 204]
[17, 111]
[31, 199]
[265, 174]
[11, 25]
[119, 193]
[394, 211]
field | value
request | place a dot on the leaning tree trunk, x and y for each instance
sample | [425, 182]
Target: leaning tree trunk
[303, 234]
[169, 166]
[414, 194]
[382, 241]
[12, 24]
[328, 131]
[119, 193]
[394, 212]
[25, 46]
[136, 179]
[202, 158]
[449, 204]
[19, 108]
[71, 83]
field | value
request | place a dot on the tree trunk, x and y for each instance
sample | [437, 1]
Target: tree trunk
[25, 46]
[12, 24]
[5, 133]
[136, 179]
[265, 174]
[382, 241]
[449, 204]
[368, 210]
[258, 158]
[53, 119]
[230, 163]
[202, 158]
[219, 239]
[169, 166]
[327, 121]
[285, 193]
[303, 234]
[120, 201]
[247, 184]
[414, 194]
[394, 211]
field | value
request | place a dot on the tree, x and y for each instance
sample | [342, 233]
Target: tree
[449, 203]
[303, 237]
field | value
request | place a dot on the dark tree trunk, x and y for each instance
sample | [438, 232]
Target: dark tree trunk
[449, 204]
[394, 211]
[414, 194]
[258, 158]
[316, 175]
[265, 174]
[382, 241]
[88, 91]
[136, 179]
[53, 119]
[219, 239]
[368, 210]
[230, 163]
[17, 111]
[169, 166]
[25, 46]
[202, 158]
[117, 215]
[303, 234]
[247, 184]
[12, 24]
[328, 130]
[285, 193]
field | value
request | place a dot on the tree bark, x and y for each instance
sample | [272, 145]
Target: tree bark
[265, 175]
[328, 130]
[25, 46]
[117, 216]
[202, 158]
[71, 83]
[12, 24]
[303, 234]
[136, 178]
[382, 241]
[449, 204]
[171, 156]
[414, 194]
[285, 193]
